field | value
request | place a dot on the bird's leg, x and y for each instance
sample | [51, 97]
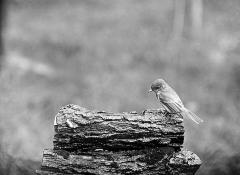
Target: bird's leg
[173, 113]
[165, 109]
[162, 111]
[166, 112]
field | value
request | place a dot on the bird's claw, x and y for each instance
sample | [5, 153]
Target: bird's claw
[165, 112]
[170, 113]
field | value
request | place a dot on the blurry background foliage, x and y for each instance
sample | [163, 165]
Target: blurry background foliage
[103, 54]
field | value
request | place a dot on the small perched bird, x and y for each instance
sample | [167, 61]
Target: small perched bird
[171, 101]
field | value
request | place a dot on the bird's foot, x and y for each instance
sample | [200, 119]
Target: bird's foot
[165, 112]
[160, 111]
[171, 113]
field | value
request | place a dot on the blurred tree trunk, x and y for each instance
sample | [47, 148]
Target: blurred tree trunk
[3, 4]
[179, 8]
[178, 23]
[196, 17]
[175, 42]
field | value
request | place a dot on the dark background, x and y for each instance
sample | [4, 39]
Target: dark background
[103, 54]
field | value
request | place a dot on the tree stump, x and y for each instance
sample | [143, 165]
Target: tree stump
[103, 143]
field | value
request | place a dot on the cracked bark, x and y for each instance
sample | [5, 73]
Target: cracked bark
[102, 143]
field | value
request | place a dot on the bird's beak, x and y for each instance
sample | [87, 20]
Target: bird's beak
[150, 90]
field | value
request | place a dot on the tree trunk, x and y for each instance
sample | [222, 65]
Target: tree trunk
[3, 6]
[174, 43]
[178, 21]
[197, 17]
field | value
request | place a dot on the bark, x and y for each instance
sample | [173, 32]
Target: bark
[78, 129]
[140, 162]
[102, 143]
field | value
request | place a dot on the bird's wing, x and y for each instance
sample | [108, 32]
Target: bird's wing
[173, 103]
[171, 100]
[170, 96]
[173, 107]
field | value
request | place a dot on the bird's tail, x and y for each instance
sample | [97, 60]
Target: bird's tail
[191, 115]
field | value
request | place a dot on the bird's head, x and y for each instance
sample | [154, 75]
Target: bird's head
[158, 85]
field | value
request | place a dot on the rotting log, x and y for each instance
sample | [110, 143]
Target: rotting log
[99, 143]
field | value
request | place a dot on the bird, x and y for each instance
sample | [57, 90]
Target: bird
[171, 101]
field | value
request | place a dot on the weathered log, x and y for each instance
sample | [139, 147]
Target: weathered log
[147, 161]
[78, 129]
[103, 143]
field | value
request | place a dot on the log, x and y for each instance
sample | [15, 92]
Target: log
[140, 162]
[103, 143]
[78, 129]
